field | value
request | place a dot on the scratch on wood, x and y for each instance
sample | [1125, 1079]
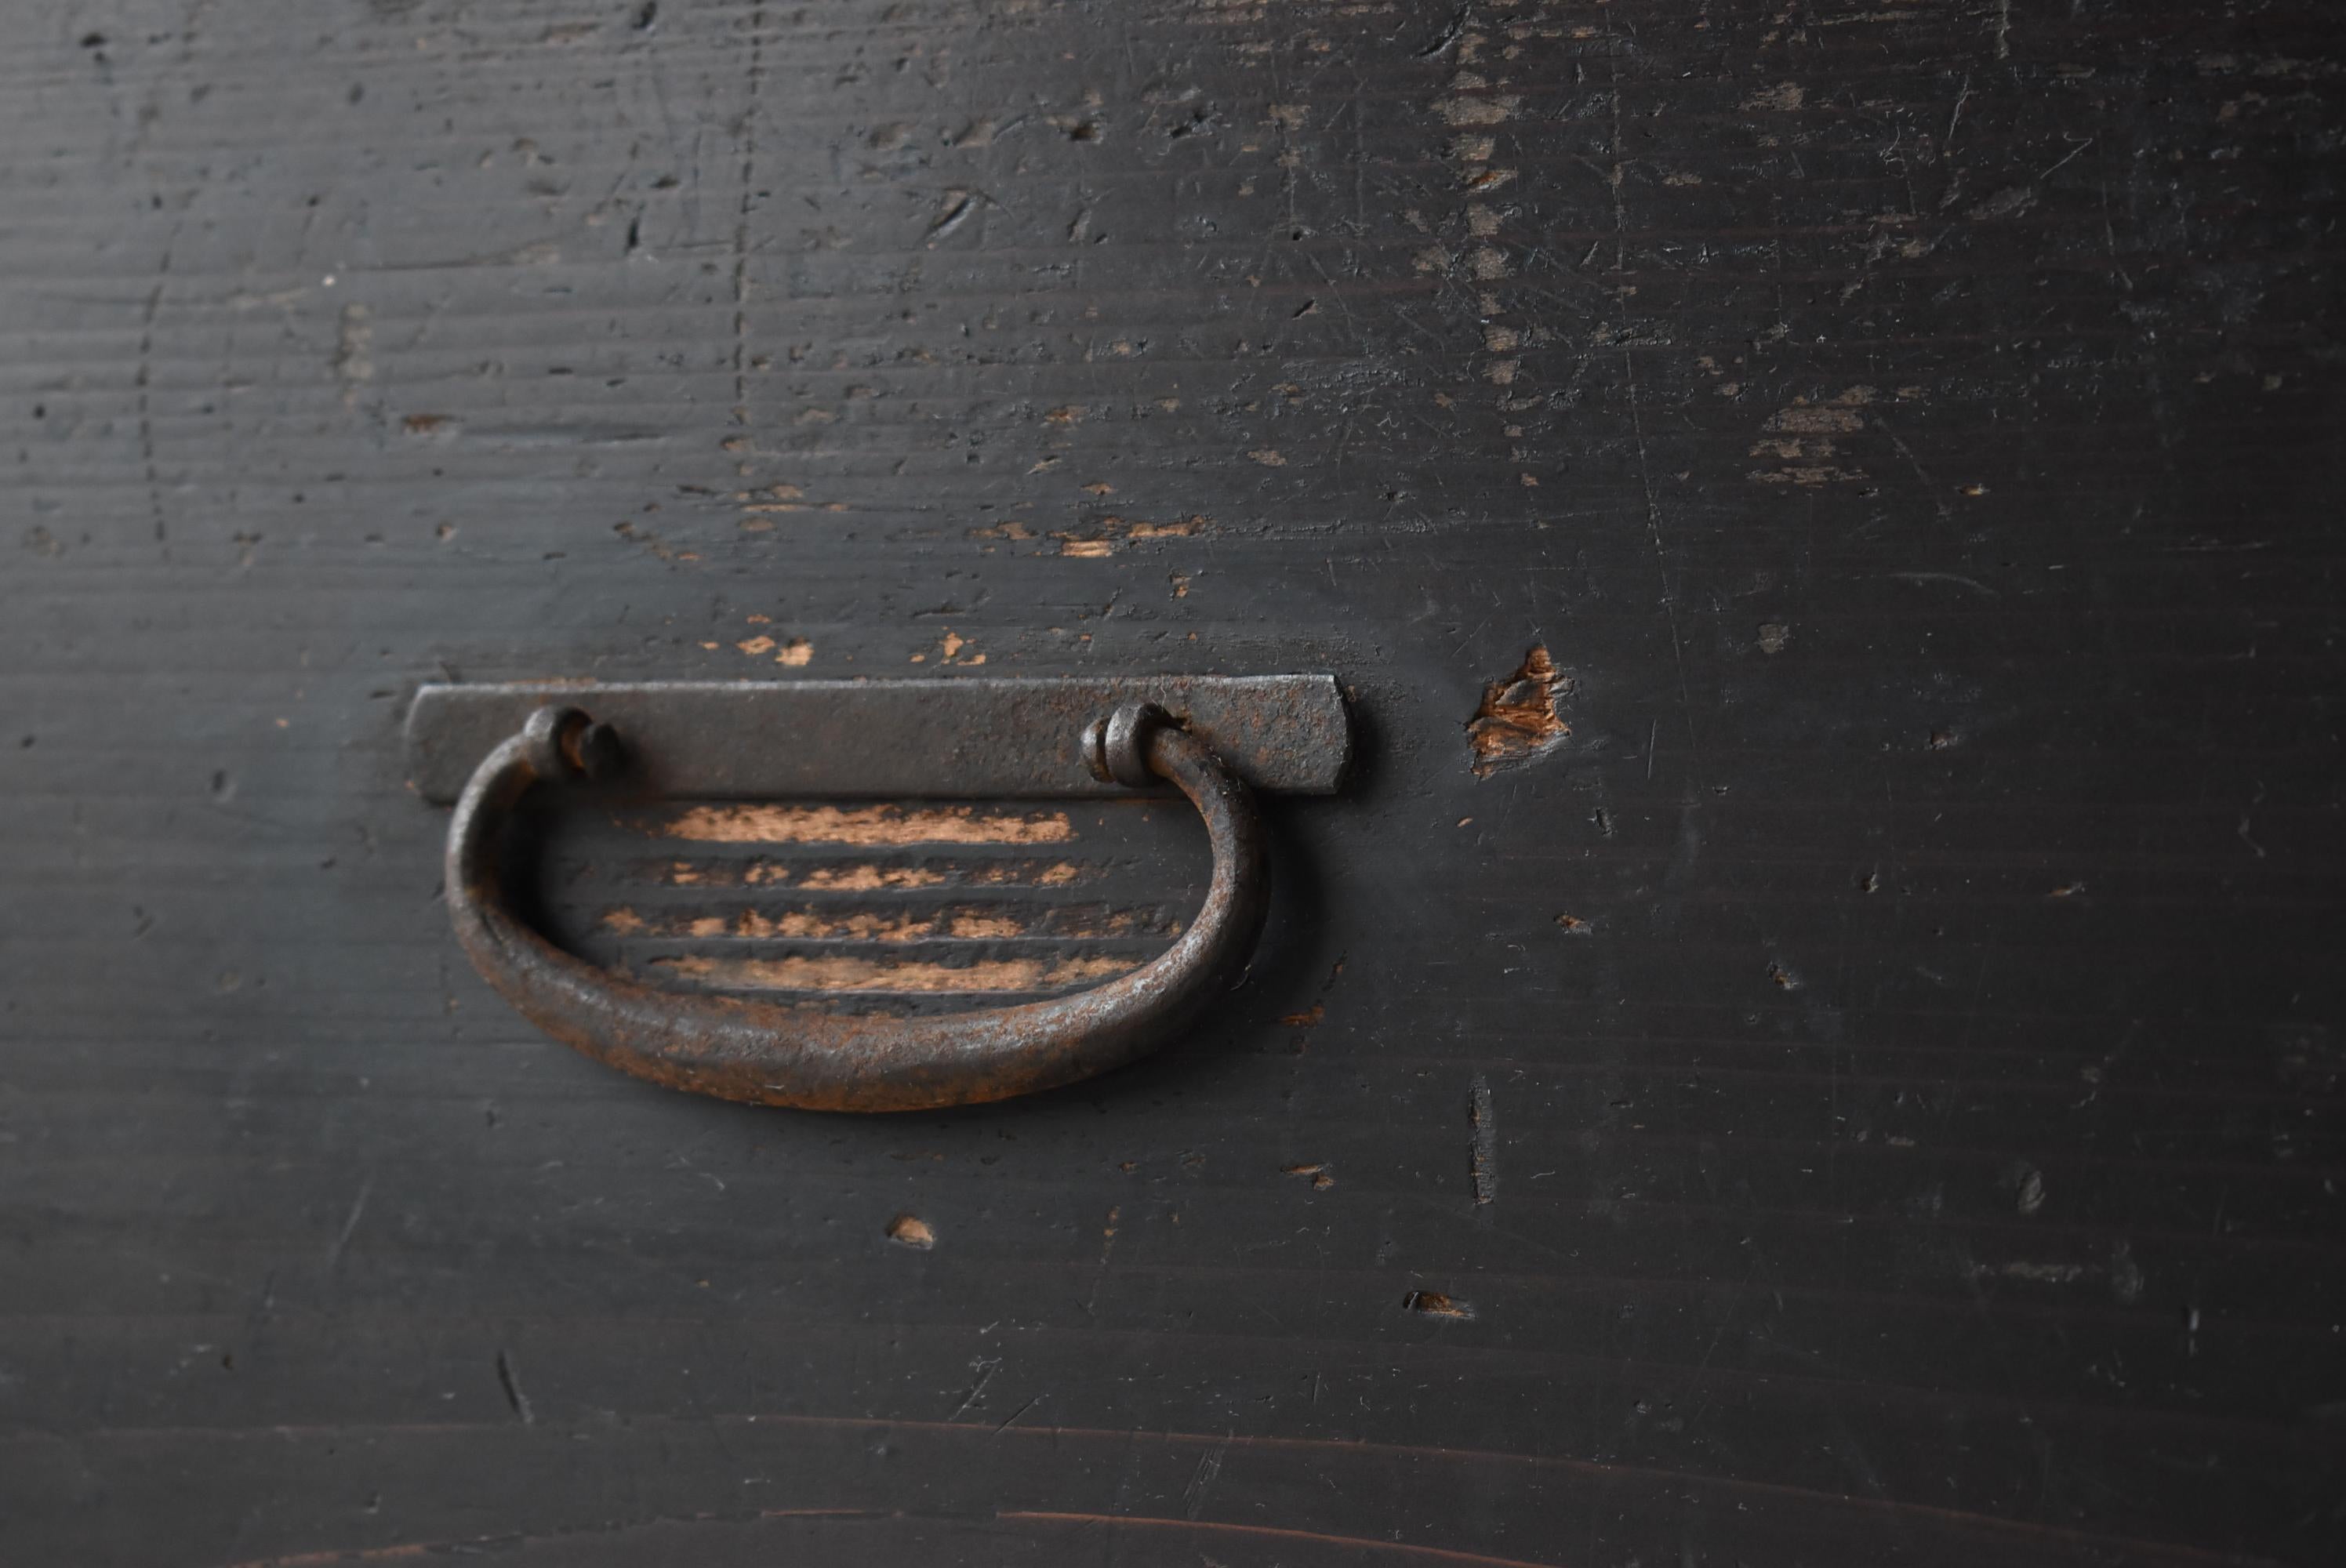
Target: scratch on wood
[1003, 1424]
[1483, 1145]
[1364, 1544]
[958, 205]
[349, 1223]
[1654, 522]
[1973, 584]
[1193, 1496]
[742, 221]
[509, 1379]
[145, 382]
[984, 1366]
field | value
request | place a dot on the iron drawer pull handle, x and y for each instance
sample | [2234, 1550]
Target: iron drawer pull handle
[775, 1054]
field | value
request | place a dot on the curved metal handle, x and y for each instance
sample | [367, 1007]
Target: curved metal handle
[774, 1053]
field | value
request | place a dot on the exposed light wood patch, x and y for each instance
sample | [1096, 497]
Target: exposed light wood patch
[781, 824]
[1517, 719]
[910, 1230]
[866, 876]
[797, 925]
[849, 878]
[856, 975]
[982, 927]
[959, 923]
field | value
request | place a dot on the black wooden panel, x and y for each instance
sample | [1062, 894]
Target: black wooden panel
[1861, 1085]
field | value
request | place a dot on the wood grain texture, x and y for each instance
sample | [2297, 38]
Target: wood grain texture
[1868, 1089]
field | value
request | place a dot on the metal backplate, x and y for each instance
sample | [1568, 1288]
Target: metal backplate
[891, 739]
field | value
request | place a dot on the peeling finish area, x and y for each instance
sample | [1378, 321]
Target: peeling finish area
[858, 876]
[1876, 1085]
[904, 908]
[910, 1230]
[864, 825]
[965, 921]
[1519, 718]
[900, 907]
[861, 974]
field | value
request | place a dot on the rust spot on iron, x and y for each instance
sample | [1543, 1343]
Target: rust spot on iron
[1518, 720]
[910, 1230]
[1320, 1174]
[1434, 1304]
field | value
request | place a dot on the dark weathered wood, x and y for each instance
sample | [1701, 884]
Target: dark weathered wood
[1870, 1090]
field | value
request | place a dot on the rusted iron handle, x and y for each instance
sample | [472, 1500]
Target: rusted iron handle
[775, 1054]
